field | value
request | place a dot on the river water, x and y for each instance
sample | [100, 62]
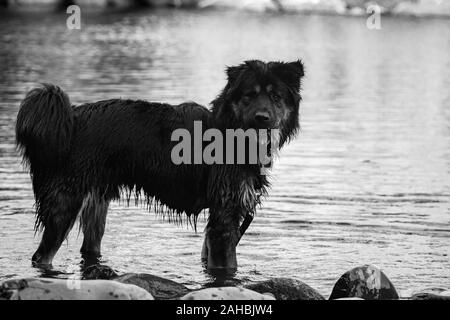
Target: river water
[367, 180]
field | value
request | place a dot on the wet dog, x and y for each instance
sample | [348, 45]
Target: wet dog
[82, 157]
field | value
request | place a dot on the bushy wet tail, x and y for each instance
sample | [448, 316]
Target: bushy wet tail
[44, 126]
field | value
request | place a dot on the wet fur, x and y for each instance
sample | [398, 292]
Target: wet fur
[82, 157]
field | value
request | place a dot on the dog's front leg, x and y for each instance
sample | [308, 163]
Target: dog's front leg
[244, 226]
[221, 239]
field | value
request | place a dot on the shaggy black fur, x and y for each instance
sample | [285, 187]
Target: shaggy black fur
[82, 157]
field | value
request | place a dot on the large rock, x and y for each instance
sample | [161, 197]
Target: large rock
[367, 282]
[286, 289]
[226, 293]
[429, 296]
[432, 294]
[160, 288]
[70, 289]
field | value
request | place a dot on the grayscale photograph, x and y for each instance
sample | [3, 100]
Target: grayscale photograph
[225, 150]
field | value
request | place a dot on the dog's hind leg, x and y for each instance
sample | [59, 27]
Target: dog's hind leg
[57, 213]
[93, 220]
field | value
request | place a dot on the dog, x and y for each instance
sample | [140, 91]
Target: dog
[82, 157]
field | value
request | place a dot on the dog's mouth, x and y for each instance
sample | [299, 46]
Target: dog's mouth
[267, 125]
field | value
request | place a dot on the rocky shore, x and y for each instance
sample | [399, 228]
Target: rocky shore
[102, 283]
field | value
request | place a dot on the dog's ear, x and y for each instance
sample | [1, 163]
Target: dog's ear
[234, 72]
[290, 73]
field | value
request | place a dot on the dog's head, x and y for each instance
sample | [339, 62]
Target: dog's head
[262, 96]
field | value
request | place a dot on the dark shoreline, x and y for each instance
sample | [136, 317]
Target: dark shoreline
[358, 8]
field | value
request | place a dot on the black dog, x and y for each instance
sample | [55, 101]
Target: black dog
[82, 157]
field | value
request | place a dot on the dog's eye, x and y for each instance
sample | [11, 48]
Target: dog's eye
[275, 97]
[248, 96]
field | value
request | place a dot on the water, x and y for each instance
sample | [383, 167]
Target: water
[367, 181]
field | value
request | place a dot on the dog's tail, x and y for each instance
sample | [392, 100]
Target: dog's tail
[44, 126]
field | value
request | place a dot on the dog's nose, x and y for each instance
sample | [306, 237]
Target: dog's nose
[262, 116]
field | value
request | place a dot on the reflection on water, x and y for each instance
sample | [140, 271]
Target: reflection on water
[368, 180]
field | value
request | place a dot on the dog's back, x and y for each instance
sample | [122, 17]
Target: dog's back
[124, 143]
[108, 145]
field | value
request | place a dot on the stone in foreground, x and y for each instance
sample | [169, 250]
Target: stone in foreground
[432, 294]
[70, 289]
[226, 293]
[367, 282]
[286, 289]
[160, 288]
[97, 271]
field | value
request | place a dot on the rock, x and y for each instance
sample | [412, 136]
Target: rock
[367, 282]
[160, 288]
[431, 294]
[286, 289]
[70, 289]
[226, 293]
[97, 271]
[10, 287]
